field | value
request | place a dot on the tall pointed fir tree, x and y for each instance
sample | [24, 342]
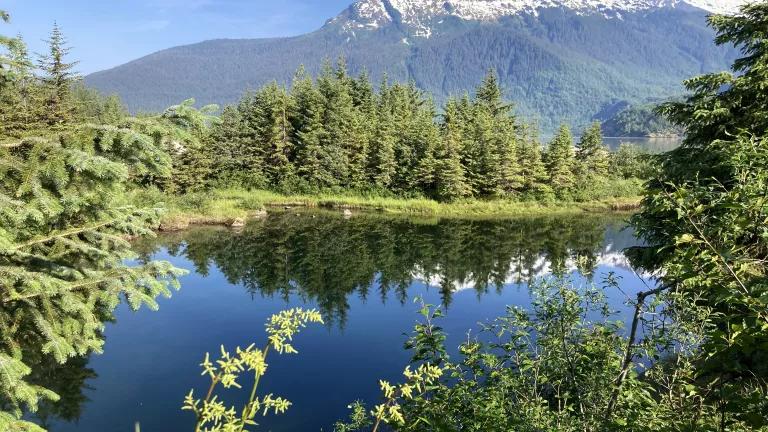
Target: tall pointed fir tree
[482, 169]
[533, 172]
[364, 99]
[249, 137]
[312, 159]
[17, 96]
[411, 113]
[426, 142]
[492, 163]
[560, 161]
[338, 125]
[274, 107]
[381, 161]
[93, 107]
[490, 95]
[237, 161]
[58, 77]
[450, 179]
[509, 179]
[592, 157]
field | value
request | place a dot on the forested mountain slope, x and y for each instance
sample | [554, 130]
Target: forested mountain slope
[560, 60]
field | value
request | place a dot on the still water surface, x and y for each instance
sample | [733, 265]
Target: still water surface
[362, 273]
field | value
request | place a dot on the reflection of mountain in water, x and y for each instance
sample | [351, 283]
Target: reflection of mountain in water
[609, 257]
[323, 258]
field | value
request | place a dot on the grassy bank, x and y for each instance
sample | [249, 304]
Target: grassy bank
[225, 206]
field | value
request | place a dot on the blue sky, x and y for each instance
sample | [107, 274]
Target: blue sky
[106, 33]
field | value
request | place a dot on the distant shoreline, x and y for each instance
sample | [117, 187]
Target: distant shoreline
[235, 207]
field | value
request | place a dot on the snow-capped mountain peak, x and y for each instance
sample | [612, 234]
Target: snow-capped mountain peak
[418, 15]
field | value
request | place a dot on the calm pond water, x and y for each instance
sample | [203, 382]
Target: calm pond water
[363, 273]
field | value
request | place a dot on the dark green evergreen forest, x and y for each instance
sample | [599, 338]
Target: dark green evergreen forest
[560, 66]
[342, 132]
[694, 357]
[336, 132]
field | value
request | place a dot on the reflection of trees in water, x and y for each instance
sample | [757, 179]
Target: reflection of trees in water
[323, 258]
[68, 380]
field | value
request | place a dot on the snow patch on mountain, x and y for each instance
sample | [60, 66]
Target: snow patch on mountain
[418, 15]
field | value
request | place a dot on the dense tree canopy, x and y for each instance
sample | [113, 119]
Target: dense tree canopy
[338, 132]
[63, 229]
[705, 218]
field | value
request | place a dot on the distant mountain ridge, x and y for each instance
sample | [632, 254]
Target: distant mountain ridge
[418, 15]
[560, 60]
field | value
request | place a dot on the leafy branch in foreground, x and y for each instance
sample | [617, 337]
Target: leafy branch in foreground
[211, 413]
[562, 365]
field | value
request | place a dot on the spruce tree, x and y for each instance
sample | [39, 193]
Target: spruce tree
[381, 160]
[57, 80]
[312, 159]
[560, 161]
[411, 113]
[533, 172]
[494, 169]
[426, 143]
[490, 95]
[181, 131]
[450, 179]
[17, 95]
[93, 107]
[249, 139]
[64, 253]
[592, 156]
[274, 107]
[237, 159]
[483, 173]
[342, 138]
[509, 179]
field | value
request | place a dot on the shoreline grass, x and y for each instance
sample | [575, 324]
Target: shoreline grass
[228, 206]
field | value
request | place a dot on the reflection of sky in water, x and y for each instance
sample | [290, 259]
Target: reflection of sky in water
[151, 358]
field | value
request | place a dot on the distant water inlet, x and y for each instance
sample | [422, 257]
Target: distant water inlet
[651, 145]
[362, 273]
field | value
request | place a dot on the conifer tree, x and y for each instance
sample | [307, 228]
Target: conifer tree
[382, 163]
[703, 223]
[342, 139]
[312, 160]
[560, 161]
[509, 179]
[450, 179]
[63, 251]
[183, 129]
[93, 107]
[17, 96]
[274, 107]
[591, 156]
[482, 170]
[407, 105]
[237, 159]
[426, 142]
[57, 80]
[493, 166]
[249, 139]
[490, 95]
[533, 173]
